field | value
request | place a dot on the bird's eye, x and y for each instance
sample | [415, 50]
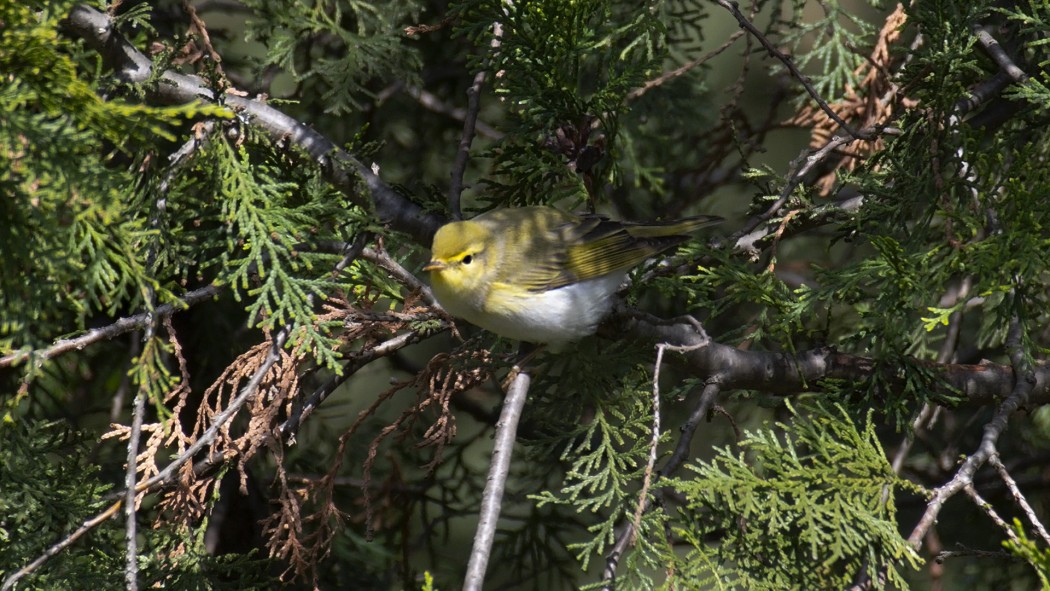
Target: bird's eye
[467, 259]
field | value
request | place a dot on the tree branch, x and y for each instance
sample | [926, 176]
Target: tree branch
[492, 498]
[1024, 384]
[116, 329]
[744, 23]
[96, 29]
[459, 165]
[786, 373]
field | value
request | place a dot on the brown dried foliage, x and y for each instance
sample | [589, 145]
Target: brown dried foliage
[301, 529]
[304, 537]
[306, 518]
[873, 103]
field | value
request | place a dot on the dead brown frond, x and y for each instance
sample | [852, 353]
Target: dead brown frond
[874, 103]
[302, 530]
[186, 502]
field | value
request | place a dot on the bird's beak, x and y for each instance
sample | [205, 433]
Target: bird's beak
[435, 266]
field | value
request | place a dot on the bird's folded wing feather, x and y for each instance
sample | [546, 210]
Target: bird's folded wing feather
[590, 247]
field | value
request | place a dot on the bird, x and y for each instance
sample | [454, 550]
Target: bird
[540, 275]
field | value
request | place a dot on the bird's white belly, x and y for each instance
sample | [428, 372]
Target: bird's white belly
[559, 315]
[556, 316]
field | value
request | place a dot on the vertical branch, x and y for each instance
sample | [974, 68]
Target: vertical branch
[459, 166]
[643, 496]
[506, 432]
[131, 566]
[1019, 498]
[744, 23]
[629, 530]
[160, 205]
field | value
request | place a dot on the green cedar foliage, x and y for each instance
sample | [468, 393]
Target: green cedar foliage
[98, 221]
[72, 249]
[51, 484]
[804, 505]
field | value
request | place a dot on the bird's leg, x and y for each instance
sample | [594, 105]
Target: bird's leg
[526, 352]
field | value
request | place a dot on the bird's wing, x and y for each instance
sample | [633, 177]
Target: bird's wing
[587, 247]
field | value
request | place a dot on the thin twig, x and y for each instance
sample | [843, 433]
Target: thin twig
[384, 260]
[968, 553]
[459, 165]
[506, 432]
[121, 326]
[290, 427]
[798, 170]
[734, 9]
[625, 536]
[643, 495]
[400, 273]
[84, 528]
[202, 29]
[131, 553]
[681, 70]
[1019, 498]
[989, 510]
[430, 101]
[626, 533]
[413, 30]
[157, 225]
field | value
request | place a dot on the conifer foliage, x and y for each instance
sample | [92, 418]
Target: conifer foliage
[221, 366]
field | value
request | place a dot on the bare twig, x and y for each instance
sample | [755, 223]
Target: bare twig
[400, 273]
[84, 528]
[703, 406]
[625, 536]
[968, 553]
[413, 30]
[131, 554]
[459, 165]
[989, 510]
[384, 260]
[1019, 497]
[734, 9]
[1024, 382]
[800, 167]
[290, 427]
[506, 432]
[681, 70]
[432, 102]
[118, 328]
[643, 495]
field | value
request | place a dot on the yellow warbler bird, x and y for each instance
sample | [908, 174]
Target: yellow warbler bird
[540, 275]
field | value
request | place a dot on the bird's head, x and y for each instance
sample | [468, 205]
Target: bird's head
[461, 256]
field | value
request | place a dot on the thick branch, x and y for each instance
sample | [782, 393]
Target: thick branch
[339, 168]
[786, 373]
